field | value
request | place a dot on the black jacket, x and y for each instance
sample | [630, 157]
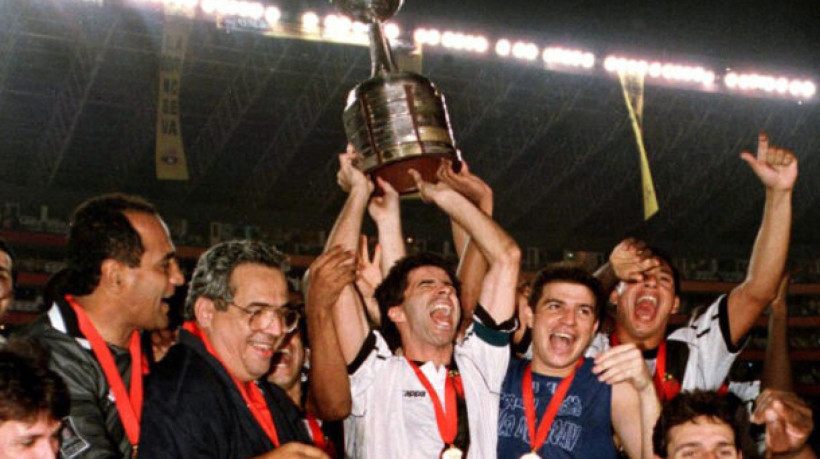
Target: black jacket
[93, 429]
[193, 410]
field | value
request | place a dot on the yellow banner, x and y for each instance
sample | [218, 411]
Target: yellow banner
[632, 86]
[170, 153]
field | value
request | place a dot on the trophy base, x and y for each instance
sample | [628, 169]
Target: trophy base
[396, 173]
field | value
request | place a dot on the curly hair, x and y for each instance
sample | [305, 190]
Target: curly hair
[212, 275]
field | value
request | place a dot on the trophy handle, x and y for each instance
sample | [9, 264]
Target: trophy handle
[381, 56]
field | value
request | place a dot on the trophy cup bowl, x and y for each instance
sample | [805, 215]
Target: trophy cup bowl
[396, 120]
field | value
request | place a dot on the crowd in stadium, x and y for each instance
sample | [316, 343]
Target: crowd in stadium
[395, 355]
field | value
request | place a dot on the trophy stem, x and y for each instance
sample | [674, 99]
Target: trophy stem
[381, 56]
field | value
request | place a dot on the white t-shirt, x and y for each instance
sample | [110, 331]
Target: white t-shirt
[393, 416]
[711, 353]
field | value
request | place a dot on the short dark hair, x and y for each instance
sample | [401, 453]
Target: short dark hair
[391, 291]
[663, 256]
[212, 275]
[562, 272]
[688, 406]
[5, 247]
[100, 230]
[29, 389]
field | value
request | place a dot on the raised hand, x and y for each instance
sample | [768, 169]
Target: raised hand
[350, 174]
[623, 363]
[368, 271]
[330, 272]
[386, 206]
[469, 185]
[630, 259]
[776, 167]
[428, 191]
[788, 420]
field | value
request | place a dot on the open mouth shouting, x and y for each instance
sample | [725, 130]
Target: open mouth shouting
[442, 314]
[562, 342]
[646, 308]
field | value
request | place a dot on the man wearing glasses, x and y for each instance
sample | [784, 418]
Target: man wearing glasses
[204, 399]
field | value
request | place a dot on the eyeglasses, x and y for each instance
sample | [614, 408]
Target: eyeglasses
[261, 317]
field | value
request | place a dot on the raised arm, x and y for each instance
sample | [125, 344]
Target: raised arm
[472, 266]
[329, 389]
[777, 170]
[498, 248]
[349, 316]
[385, 210]
[777, 368]
[623, 367]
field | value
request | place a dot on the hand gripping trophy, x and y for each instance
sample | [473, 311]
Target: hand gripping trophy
[396, 120]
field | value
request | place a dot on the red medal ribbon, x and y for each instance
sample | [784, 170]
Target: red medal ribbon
[129, 403]
[666, 390]
[252, 395]
[537, 438]
[446, 417]
[316, 432]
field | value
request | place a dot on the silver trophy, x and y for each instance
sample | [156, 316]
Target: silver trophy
[396, 120]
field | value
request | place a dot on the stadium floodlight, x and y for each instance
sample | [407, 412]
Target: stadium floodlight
[503, 47]
[565, 57]
[392, 31]
[668, 71]
[769, 84]
[430, 37]
[272, 15]
[310, 22]
[525, 50]
[252, 10]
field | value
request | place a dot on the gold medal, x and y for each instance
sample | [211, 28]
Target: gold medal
[531, 455]
[452, 453]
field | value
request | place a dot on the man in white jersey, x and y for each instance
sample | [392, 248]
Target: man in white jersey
[699, 355]
[437, 397]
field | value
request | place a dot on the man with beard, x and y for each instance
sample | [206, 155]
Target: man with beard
[121, 269]
[438, 397]
[560, 405]
[204, 400]
[700, 354]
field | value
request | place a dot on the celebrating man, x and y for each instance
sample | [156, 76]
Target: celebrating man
[204, 400]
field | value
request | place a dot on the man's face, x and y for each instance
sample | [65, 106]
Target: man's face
[288, 362]
[247, 352]
[6, 283]
[25, 440]
[702, 437]
[644, 307]
[563, 322]
[157, 276]
[431, 311]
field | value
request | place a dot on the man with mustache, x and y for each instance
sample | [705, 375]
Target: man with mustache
[121, 269]
[700, 354]
[438, 397]
[204, 399]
